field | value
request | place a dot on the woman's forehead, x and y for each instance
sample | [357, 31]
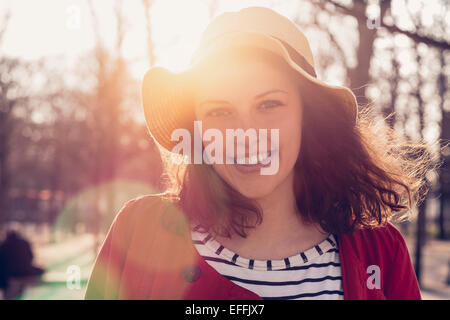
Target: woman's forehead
[238, 63]
[237, 56]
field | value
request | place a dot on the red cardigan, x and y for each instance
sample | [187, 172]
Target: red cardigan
[148, 254]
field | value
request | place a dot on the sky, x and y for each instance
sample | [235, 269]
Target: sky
[64, 28]
[52, 28]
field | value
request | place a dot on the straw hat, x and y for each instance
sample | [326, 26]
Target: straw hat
[166, 95]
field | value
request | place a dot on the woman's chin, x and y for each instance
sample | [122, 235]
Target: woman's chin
[254, 191]
[251, 185]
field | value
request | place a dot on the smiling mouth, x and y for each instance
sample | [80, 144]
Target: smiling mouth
[260, 159]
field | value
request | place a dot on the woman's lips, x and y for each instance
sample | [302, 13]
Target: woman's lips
[265, 162]
[249, 168]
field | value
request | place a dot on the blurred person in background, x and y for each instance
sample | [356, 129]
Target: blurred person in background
[16, 265]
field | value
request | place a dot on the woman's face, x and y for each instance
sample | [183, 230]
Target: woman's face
[250, 93]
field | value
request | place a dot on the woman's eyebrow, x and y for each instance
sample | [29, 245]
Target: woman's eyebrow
[213, 101]
[256, 97]
[267, 92]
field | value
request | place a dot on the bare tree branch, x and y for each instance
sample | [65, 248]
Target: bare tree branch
[121, 26]
[4, 25]
[150, 47]
[360, 15]
[95, 22]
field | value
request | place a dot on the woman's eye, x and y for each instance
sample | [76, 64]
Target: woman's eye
[218, 113]
[268, 104]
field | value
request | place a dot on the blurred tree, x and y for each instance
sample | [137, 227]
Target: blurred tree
[382, 59]
[379, 68]
[444, 174]
[150, 47]
[358, 75]
[12, 72]
[74, 129]
[111, 77]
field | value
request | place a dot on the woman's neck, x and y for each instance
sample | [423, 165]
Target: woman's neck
[282, 231]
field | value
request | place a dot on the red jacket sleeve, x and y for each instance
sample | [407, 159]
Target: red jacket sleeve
[401, 283]
[104, 281]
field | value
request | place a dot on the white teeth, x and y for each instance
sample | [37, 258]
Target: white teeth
[247, 160]
[253, 159]
[263, 158]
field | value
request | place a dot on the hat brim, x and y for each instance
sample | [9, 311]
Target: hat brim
[166, 94]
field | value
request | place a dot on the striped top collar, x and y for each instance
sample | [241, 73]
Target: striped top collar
[300, 259]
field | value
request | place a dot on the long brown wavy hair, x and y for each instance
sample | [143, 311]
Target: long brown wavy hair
[347, 176]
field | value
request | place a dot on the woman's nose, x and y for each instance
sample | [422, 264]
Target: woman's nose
[246, 120]
[246, 130]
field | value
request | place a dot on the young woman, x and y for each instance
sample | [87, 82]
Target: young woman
[317, 226]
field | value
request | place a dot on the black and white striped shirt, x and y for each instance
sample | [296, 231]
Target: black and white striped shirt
[312, 274]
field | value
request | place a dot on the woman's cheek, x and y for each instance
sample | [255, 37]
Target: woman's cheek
[290, 145]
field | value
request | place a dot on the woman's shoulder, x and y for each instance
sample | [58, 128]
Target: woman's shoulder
[145, 205]
[386, 232]
[375, 242]
[380, 253]
[150, 211]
